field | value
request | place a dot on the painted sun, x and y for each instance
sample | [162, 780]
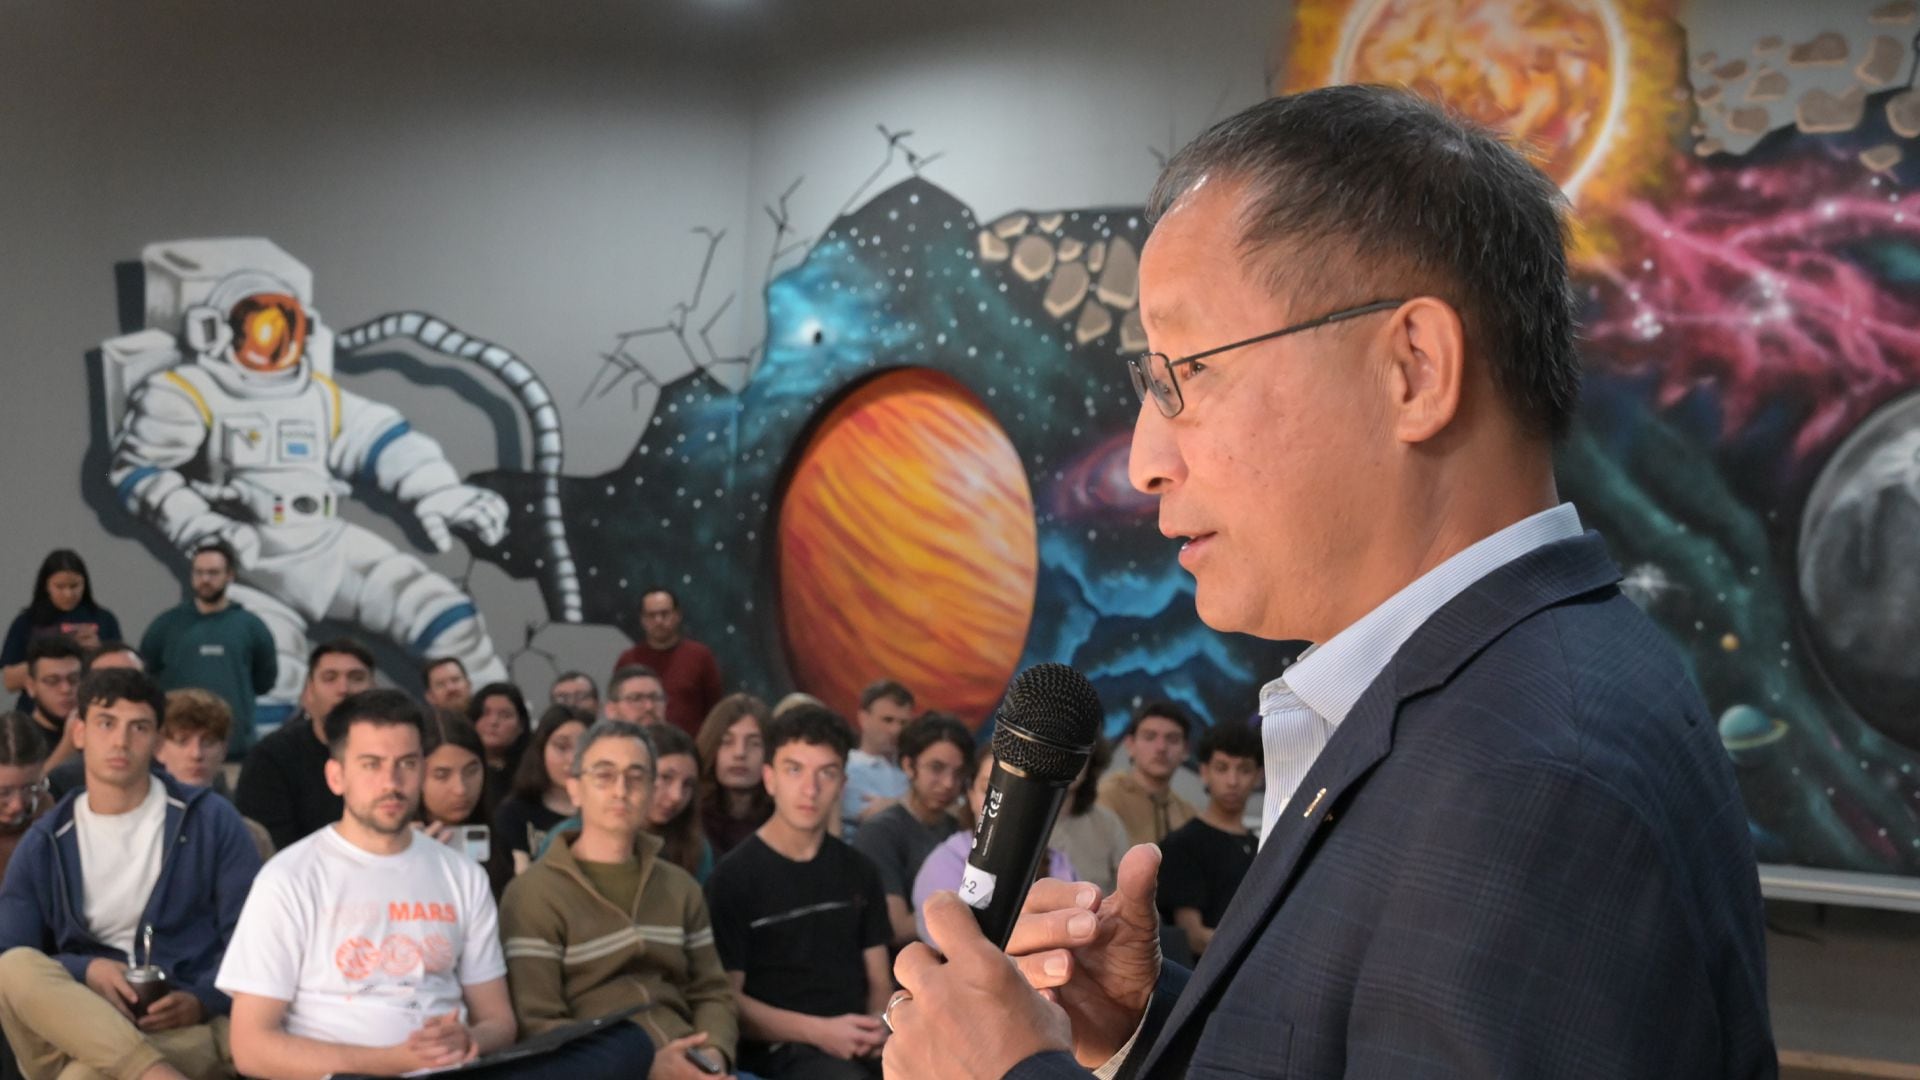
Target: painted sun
[1585, 87]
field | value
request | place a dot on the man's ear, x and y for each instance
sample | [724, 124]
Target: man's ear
[1428, 346]
[336, 776]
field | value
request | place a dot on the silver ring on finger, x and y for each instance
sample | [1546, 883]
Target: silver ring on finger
[900, 997]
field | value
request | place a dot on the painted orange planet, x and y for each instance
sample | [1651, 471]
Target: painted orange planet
[907, 548]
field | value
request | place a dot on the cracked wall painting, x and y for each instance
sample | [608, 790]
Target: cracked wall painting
[920, 469]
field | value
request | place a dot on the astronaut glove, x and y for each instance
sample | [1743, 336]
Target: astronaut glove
[463, 506]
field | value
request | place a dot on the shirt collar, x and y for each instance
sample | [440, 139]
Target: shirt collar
[1330, 677]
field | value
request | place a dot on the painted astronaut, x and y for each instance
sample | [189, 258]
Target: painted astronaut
[245, 437]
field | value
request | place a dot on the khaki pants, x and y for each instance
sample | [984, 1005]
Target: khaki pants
[61, 1030]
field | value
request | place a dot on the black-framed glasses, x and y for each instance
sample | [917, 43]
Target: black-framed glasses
[1155, 375]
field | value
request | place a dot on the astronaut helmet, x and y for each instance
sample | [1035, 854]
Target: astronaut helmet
[254, 322]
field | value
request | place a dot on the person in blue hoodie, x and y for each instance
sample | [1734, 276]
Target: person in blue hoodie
[132, 850]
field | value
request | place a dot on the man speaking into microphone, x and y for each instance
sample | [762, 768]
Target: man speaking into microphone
[1501, 837]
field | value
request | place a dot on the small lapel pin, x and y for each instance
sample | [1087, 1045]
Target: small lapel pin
[1315, 804]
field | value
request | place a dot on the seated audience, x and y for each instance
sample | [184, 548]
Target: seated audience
[284, 785]
[602, 922]
[732, 744]
[444, 680]
[136, 865]
[368, 947]
[1202, 862]
[210, 642]
[801, 921]
[62, 606]
[23, 794]
[1143, 796]
[577, 690]
[636, 695]
[875, 780]
[936, 751]
[540, 799]
[688, 672]
[55, 664]
[672, 814]
[946, 866]
[1091, 836]
[450, 809]
[499, 713]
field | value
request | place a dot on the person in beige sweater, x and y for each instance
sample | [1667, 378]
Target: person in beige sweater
[601, 922]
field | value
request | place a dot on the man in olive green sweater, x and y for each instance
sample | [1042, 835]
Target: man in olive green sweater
[601, 923]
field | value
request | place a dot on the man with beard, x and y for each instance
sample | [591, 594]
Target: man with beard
[54, 666]
[284, 786]
[211, 643]
[369, 947]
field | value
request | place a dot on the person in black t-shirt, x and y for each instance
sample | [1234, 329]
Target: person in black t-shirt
[539, 800]
[1202, 862]
[936, 752]
[800, 919]
[283, 785]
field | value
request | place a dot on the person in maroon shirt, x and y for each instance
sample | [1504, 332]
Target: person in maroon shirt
[686, 668]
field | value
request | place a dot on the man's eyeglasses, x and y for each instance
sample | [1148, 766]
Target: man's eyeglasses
[606, 779]
[656, 698]
[1155, 375]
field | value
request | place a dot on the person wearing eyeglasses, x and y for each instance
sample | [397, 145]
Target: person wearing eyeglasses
[23, 792]
[577, 689]
[688, 673]
[1501, 836]
[603, 921]
[635, 695]
[55, 664]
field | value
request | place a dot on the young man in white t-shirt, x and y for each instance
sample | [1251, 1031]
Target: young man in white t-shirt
[369, 948]
[129, 851]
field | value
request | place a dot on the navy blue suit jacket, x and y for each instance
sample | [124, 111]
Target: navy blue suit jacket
[1530, 860]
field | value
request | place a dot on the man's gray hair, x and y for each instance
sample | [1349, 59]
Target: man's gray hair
[611, 729]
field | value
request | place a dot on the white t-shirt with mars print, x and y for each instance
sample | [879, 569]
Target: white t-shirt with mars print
[364, 948]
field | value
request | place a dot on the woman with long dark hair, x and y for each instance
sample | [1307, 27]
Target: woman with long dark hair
[733, 746]
[499, 714]
[1092, 836]
[540, 799]
[453, 779]
[674, 812]
[62, 604]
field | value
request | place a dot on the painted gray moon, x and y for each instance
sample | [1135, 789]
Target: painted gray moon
[1860, 569]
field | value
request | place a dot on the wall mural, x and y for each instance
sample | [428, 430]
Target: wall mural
[922, 468]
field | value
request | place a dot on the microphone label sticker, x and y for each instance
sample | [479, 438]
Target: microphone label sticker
[976, 888]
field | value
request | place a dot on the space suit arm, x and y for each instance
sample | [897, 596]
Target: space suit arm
[378, 448]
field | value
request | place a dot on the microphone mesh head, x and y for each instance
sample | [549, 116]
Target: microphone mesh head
[1048, 723]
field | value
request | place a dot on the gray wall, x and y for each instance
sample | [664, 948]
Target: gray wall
[532, 173]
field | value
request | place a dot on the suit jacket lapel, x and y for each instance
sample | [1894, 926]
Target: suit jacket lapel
[1453, 635]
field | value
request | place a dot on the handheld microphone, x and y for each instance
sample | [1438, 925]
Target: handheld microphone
[1041, 740]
